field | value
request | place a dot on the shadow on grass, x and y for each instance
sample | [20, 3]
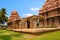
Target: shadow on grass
[1, 31]
[5, 37]
[9, 36]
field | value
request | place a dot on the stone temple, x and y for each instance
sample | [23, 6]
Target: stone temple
[50, 11]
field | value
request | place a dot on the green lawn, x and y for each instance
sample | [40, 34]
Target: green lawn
[10, 35]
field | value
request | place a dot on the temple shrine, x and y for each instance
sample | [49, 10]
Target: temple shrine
[49, 15]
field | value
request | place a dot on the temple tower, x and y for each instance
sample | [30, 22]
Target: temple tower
[12, 21]
[50, 10]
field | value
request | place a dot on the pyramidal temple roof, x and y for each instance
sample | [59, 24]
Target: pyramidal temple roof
[14, 16]
[49, 5]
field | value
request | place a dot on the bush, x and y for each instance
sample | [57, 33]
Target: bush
[51, 26]
[40, 27]
[46, 27]
[3, 26]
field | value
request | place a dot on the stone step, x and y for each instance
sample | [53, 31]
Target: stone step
[37, 30]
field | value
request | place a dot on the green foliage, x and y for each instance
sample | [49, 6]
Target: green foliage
[3, 16]
[51, 26]
[46, 26]
[2, 25]
[40, 27]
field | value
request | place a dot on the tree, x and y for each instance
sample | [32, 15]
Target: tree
[3, 16]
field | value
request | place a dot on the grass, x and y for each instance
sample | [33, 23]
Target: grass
[10, 35]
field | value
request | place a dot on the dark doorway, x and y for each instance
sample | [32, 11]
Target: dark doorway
[28, 24]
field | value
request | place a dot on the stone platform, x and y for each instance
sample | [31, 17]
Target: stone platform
[37, 30]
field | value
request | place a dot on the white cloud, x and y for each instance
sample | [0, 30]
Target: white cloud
[35, 12]
[27, 14]
[45, 0]
[34, 9]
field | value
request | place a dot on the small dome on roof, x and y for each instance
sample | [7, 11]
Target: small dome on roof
[14, 12]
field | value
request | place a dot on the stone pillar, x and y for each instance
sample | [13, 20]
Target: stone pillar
[56, 21]
[9, 26]
[22, 25]
[13, 25]
[50, 22]
[59, 20]
[35, 24]
[25, 25]
[32, 24]
[45, 23]
[16, 25]
[19, 25]
[41, 23]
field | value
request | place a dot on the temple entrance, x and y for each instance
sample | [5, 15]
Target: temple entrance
[28, 24]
